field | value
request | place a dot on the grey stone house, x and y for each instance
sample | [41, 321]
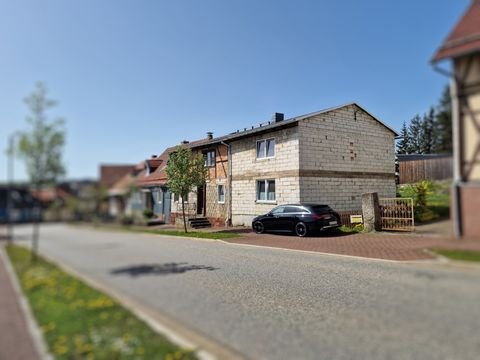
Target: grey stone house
[331, 157]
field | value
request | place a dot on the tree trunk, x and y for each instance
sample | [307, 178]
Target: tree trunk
[183, 212]
[35, 237]
[36, 228]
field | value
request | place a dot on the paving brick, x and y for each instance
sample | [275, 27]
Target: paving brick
[388, 246]
[15, 340]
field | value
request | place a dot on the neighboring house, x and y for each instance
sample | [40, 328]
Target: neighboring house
[211, 200]
[202, 202]
[416, 167]
[331, 157]
[153, 193]
[462, 48]
[123, 196]
[110, 174]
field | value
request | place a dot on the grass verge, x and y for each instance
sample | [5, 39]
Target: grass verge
[194, 234]
[79, 322]
[462, 255]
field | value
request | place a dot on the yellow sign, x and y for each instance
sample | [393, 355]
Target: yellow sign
[356, 219]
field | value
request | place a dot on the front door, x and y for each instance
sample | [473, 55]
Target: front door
[201, 200]
[167, 200]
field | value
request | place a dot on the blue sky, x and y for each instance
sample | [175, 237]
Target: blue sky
[133, 77]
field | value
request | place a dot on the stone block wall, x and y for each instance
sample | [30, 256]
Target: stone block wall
[346, 139]
[343, 194]
[247, 169]
[343, 154]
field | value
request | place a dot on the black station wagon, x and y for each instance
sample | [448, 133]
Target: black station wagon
[301, 219]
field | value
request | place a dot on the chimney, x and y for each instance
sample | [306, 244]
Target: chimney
[154, 156]
[277, 117]
[184, 142]
[210, 135]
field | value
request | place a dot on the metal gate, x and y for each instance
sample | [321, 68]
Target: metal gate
[397, 214]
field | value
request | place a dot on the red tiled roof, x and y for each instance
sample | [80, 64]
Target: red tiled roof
[123, 185]
[465, 37]
[154, 163]
[109, 174]
[159, 177]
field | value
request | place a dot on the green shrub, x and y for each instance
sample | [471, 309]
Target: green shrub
[126, 220]
[147, 213]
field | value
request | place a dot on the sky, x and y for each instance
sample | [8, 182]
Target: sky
[134, 77]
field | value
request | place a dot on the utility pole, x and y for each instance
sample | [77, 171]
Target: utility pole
[11, 189]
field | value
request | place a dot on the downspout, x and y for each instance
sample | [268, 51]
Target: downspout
[457, 174]
[228, 221]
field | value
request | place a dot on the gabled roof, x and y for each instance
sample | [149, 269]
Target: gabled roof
[157, 177]
[109, 174]
[124, 184]
[465, 37]
[288, 123]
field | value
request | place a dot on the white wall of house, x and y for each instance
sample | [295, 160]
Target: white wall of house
[344, 154]
[247, 170]
[331, 158]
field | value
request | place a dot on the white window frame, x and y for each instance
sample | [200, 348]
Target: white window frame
[267, 183]
[264, 155]
[218, 193]
[214, 158]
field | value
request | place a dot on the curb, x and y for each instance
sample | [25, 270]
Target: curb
[204, 348]
[32, 326]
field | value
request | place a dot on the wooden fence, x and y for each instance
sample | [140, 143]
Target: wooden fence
[413, 168]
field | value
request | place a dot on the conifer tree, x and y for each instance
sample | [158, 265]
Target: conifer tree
[404, 145]
[443, 121]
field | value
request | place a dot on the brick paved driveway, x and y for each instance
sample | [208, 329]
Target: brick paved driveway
[383, 245]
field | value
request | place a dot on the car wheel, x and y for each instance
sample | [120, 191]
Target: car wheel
[301, 229]
[258, 227]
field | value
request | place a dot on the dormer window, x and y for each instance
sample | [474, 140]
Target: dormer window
[265, 148]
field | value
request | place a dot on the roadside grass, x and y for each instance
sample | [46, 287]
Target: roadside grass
[462, 255]
[79, 322]
[350, 229]
[218, 235]
[195, 234]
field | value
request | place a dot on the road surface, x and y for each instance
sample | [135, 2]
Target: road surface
[280, 304]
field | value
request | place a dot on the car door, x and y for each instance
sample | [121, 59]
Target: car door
[273, 219]
[290, 215]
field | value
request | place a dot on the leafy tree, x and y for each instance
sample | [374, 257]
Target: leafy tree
[443, 120]
[184, 171]
[404, 145]
[41, 147]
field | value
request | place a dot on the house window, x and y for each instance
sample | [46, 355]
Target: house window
[210, 158]
[221, 193]
[265, 148]
[157, 196]
[265, 190]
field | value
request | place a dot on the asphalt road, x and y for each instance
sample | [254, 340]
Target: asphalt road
[279, 304]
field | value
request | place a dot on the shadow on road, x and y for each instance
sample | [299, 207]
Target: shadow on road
[159, 269]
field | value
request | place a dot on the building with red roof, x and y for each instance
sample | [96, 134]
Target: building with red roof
[462, 48]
